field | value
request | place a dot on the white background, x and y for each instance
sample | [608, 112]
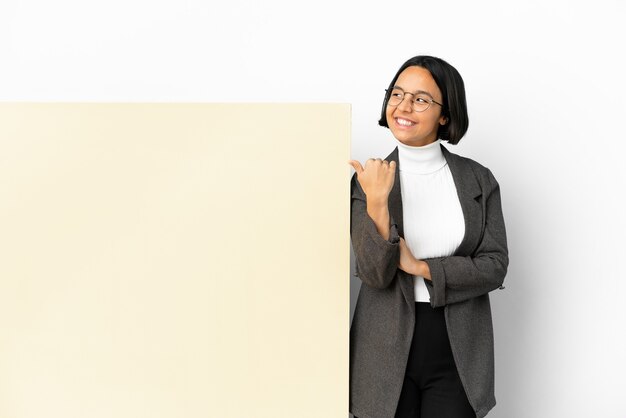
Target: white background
[545, 85]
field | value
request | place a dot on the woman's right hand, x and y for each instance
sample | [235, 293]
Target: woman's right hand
[376, 179]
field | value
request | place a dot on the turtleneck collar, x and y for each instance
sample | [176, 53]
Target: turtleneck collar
[421, 160]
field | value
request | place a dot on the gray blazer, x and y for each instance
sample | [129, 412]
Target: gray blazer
[384, 317]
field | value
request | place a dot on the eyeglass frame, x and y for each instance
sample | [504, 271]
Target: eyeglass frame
[404, 93]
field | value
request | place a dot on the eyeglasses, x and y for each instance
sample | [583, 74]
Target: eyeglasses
[421, 102]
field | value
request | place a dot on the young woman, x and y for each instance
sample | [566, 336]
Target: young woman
[430, 244]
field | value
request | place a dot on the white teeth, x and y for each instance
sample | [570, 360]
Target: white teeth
[404, 122]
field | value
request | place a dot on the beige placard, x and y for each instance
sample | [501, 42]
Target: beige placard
[174, 260]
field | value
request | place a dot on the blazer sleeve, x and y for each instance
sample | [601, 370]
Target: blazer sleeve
[458, 278]
[376, 258]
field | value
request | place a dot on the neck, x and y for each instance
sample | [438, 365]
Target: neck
[421, 160]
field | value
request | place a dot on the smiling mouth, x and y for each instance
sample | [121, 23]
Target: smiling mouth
[404, 122]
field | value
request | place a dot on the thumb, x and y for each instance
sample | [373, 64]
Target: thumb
[356, 165]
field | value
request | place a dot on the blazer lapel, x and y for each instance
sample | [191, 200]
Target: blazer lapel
[395, 196]
[469, 193]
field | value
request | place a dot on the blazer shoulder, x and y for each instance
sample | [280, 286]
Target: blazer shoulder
[483, 174]
[356, 192]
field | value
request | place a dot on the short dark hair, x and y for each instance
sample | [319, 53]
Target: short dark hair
[452, 88]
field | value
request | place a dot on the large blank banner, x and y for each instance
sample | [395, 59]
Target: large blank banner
[174, 260]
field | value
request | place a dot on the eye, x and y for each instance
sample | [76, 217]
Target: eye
[421, 100]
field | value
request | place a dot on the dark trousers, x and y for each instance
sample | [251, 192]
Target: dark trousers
[432, 387]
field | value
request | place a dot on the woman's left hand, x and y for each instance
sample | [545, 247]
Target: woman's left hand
[407, 261]
[410, 264]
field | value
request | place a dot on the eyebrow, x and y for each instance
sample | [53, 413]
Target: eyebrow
[415, 92]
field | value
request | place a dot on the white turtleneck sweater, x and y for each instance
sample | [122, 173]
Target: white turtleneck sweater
[433, 219]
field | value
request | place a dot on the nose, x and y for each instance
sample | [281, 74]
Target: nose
[406, 105]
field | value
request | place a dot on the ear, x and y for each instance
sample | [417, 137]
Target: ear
[443, 120]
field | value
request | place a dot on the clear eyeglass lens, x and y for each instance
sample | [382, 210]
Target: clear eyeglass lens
[420, 102]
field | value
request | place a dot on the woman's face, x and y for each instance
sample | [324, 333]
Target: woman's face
[411, 127]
